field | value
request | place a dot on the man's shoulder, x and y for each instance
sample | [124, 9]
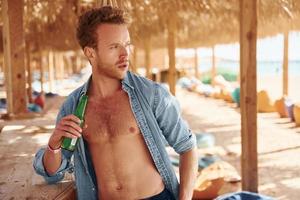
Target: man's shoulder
[72, 99]
[141, 82]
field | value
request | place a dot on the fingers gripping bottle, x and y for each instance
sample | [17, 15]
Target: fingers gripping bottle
[70, 143]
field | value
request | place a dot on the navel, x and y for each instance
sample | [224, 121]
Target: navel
[119, 187]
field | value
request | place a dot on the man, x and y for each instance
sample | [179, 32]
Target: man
[120, 152]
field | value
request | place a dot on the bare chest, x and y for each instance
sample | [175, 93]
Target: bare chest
[109, 118]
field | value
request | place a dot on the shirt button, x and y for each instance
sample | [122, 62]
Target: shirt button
[93, 189]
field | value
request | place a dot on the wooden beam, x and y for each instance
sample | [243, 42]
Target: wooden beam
[14, 55]
[41, 63]
[213, 66]
[196, 63]
[120, 3]
[172, 55]
[56, 64]
[133, 64]
[78, 62]
[285, 85]
[248, 36]
[29, 74]
[113, 3]
[147, 48]
[50, 70]
[61, 66]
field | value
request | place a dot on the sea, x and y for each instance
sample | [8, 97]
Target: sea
[263, 67]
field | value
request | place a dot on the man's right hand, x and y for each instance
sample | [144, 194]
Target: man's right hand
[69, 126]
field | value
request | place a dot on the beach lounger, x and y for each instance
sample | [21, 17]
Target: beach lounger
[264, 103]
[296, 111]
[212, 178]
[289, 106]
[280, 108]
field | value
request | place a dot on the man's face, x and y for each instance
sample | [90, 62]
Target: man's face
[112, 53]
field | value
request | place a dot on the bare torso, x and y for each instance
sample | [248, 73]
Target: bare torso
[122, 162]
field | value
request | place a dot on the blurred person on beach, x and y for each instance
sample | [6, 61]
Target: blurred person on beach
[120, 153]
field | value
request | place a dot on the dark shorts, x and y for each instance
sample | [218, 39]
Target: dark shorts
[164, 195]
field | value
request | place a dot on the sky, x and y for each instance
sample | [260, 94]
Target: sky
[268, 49]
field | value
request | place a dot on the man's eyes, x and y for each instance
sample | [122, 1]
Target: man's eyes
[118, 46]
[114, 47]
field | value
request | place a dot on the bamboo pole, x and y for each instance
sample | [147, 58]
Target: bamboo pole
[14, 55]
[285, 63]
[29, 74]
[196, 63]
[213, 66]
[147, 48]
[62, 66]
[78, 62]
[248, 36]
[41, 62]
[56, 64]
[51, 70]
[172, 56]
[133, 64]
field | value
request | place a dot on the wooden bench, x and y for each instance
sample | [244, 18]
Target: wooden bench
[19, 141]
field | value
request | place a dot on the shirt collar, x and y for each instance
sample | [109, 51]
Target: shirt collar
[125, 82]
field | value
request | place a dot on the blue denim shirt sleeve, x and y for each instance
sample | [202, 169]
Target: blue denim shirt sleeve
[65, 164]
[59, 174]
[174, 128]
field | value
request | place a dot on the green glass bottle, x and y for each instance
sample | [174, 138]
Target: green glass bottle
[70, 143]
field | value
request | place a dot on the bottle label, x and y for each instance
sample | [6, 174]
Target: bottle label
[73, 141]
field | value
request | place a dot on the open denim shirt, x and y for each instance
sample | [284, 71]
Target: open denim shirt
[158, 117]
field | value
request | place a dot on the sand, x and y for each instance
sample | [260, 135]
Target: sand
[278, 142]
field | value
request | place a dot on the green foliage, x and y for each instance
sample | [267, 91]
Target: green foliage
[228, 75]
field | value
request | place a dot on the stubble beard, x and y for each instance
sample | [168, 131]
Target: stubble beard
[110, 71]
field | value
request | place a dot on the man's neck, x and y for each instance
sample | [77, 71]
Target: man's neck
[102, 87]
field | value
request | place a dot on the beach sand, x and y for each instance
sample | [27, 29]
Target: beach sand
[278, 142]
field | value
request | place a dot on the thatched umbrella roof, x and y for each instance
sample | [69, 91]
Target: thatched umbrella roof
[205, 23]
[51, 24]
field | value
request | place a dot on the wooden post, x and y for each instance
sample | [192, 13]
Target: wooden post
[14, 55]
[59, 65]
[68, 67]
[248, 35]
[41, 62]
[147, 47]
[56, 64]
[172, 55]
[50, 70]
[120, 3]
[285, 88]
[196, 63]
[213, 66]
[133, 64]
[113, 3]
[62, 66]
[29, 74]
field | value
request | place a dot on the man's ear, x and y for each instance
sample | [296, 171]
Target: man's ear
[89, 52]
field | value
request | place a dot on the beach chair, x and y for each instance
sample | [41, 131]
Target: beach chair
[296, 111]
[289, 106]
[236, 95]
[264, 103]
[280, 108]
[212, 178]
